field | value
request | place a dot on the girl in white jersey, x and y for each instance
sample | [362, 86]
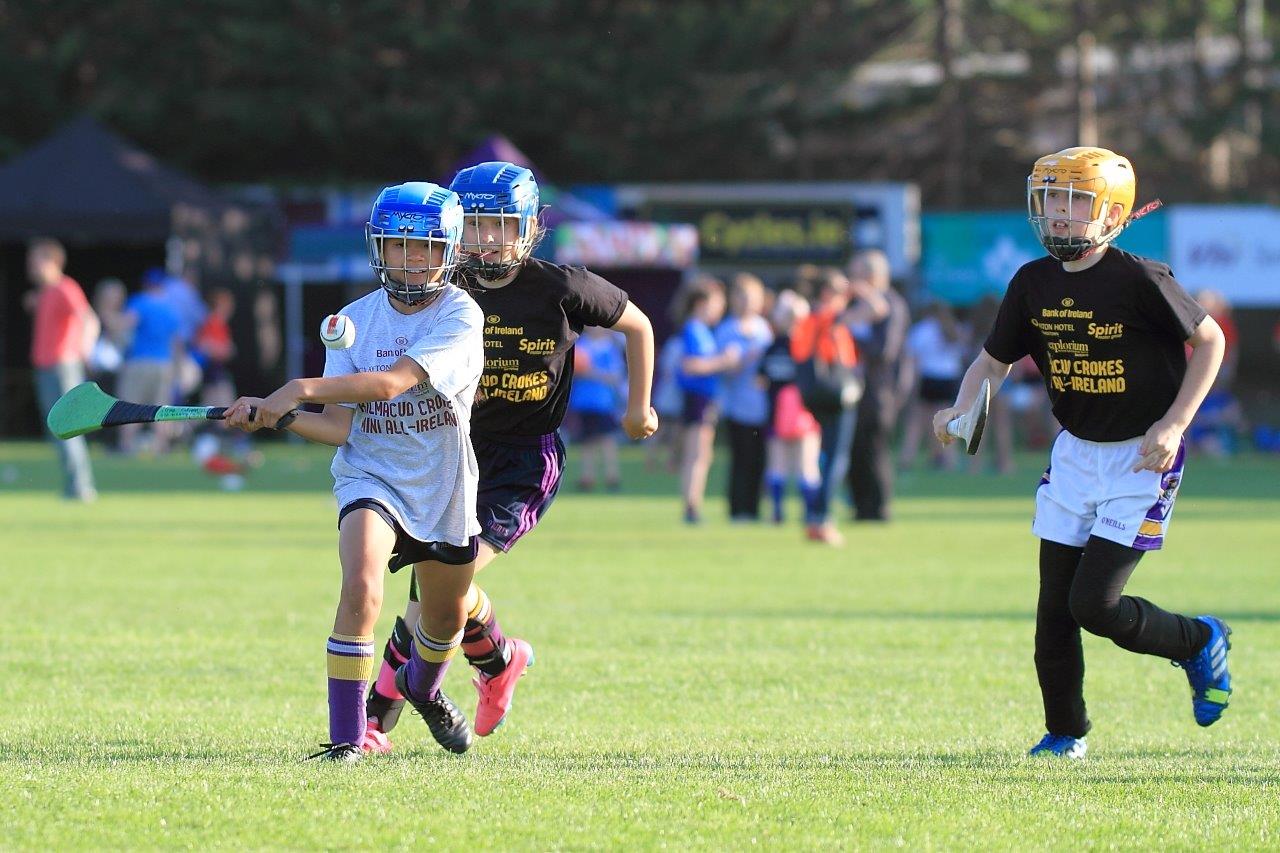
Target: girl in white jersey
[398, 408]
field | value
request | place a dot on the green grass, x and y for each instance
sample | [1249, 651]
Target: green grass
[162, 671]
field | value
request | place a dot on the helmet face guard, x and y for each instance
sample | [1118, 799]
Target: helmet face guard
[1072, 241]
[500, 206]
[517, 236]
[415, 213]
[397, 279]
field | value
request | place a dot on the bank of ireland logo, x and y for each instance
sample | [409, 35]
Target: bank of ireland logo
[402, 341]
[493, 319]
[1068, 302]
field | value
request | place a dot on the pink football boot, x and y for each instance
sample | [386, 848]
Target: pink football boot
[496, 690]
[375, 741]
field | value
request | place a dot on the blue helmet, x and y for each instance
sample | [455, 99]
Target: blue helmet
[509, 194]
[421, 211]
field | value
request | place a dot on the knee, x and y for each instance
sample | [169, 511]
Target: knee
[443, 619]
[361, 596]
[1094, 613]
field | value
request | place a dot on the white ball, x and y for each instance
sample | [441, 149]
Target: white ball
[338, 331]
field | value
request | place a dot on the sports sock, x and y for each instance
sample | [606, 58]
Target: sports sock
[428, 661]
[394, 655]
[811, 493]
[349, 660]
[777, 485]
[482, 640]
[384, 702]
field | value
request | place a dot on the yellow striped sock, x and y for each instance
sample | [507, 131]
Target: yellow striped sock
[350, 657]
[482, 607]
[433, 650]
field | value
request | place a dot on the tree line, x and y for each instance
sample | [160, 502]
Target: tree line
[957, 95]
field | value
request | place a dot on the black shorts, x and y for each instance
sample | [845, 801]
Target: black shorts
[939, 390]
[519, 478]
[697, 409]
[409, 550]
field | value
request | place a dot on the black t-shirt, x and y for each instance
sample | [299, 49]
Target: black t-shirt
[1109, 340]
[530, 327]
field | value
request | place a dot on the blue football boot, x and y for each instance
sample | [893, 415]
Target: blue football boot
[1060, 746]
[1208, 674]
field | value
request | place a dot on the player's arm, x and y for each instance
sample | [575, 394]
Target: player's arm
[331, 426]
[360, 387]
[869, 306]
[1160, 444]
[985, 366]
[641, 419]
[90, 329]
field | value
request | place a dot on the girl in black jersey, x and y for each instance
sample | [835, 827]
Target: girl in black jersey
[1107, 330]
[533, 312]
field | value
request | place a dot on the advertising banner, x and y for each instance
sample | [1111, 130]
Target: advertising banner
[1231, 249]
[773, 227]
[626, 244]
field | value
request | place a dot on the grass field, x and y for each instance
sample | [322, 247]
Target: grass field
[162, 672]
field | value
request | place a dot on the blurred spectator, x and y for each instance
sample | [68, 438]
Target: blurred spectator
[1218, 422]
[65, 332]
[745, 403]
[1028, 404]
[1216, 304]
[701, 364]
[217, 450]
[185, 301]
[999, 429]
[662, 451]
[795, 440]
[938, 345]
[151, 362]
[215, 349]
[826, 358]
[599, 380]
[109, 296]
[879, 320]
[267, 336]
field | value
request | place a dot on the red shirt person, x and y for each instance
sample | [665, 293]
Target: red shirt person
[64, 333]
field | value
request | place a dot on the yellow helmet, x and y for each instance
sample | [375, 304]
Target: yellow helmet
[1102, 176]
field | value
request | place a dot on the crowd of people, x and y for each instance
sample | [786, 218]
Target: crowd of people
[750, 364]
[731, 370]
[164, 344]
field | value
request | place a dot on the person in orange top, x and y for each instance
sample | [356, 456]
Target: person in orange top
[65, 331]
[825, 357]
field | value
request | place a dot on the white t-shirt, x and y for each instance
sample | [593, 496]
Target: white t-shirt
[936, 357]
[413, 454]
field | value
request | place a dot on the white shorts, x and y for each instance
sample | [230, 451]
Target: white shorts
[1090, 489]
